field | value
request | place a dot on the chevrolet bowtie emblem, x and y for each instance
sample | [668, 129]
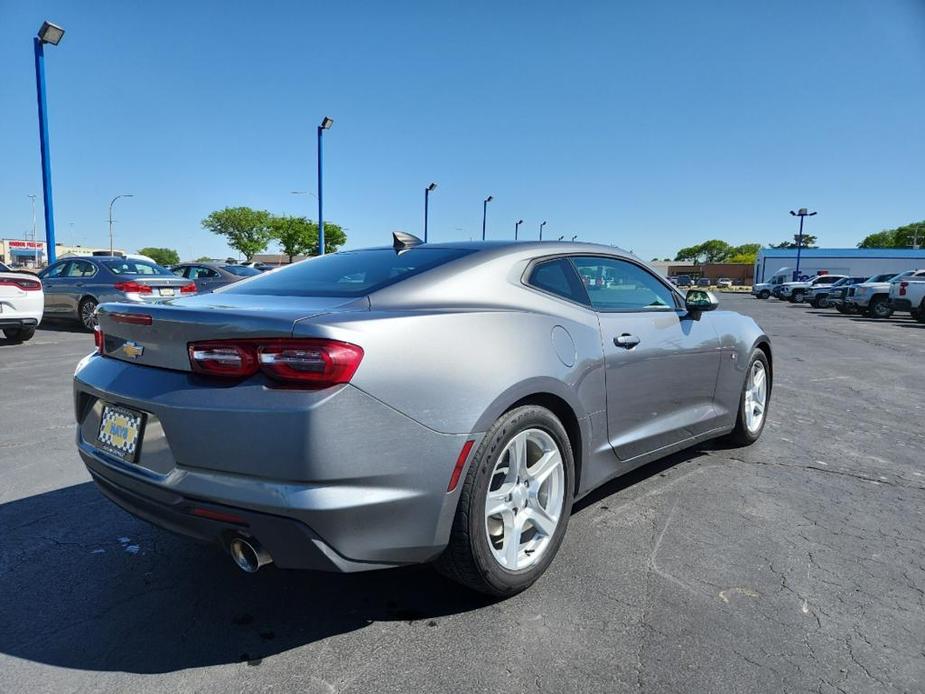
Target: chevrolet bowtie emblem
[133, 350]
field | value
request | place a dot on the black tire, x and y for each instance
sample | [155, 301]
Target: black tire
[841, 308]
[19, 334]
[741, 436]
[919, 314]
[468, 558]
[764, 294]
[880, 307]
[822, 301]
[86, 312]
[814, 302]
[797, 296]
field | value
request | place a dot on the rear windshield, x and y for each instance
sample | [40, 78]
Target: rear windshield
[241, 270]
[350, 273]
[135, 267]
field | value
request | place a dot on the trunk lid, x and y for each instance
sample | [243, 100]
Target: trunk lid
[174, 324]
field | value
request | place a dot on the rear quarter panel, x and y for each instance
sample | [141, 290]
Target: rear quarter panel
[738, 336]
[456, 370]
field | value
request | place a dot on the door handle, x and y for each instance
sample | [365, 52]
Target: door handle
[626, 341]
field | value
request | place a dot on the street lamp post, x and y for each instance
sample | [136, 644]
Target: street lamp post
[516, 225]
[48, 33]
[485, 212]
[801, 213]
[326, 124]
[574, 237]
[427, 191]
[541, 230]
[124, 195]
[34, 248]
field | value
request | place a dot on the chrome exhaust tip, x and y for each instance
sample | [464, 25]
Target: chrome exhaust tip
[248, 554]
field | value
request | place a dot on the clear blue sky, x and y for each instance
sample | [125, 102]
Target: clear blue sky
[651, 125]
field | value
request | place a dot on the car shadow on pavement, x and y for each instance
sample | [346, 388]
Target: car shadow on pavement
[88, 586]
[62, 326]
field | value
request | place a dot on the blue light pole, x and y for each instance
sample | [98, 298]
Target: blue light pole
[516, 227]
[485, 212]
[427, 191]
[48, 33]
[325, 125]
[803, 212]
[541, 230]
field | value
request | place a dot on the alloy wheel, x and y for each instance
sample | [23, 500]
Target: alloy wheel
[756, 397]
[88, 314]
[525, 499]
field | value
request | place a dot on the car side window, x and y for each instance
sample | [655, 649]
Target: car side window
[80, 268]
[180, 271]
[558, 277]
[619, 285]
[56, 271]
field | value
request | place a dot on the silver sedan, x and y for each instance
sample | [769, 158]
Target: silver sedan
[75, 286]
[416, 403]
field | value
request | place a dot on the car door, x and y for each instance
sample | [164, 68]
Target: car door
[52, 286]
[75, 283]
[661, 362]
[205, 278]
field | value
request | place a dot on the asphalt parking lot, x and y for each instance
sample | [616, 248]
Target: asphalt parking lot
[795, 565]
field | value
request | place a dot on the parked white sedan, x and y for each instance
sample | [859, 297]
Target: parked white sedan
[22, 303]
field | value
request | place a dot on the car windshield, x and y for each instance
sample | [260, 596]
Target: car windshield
[350, 273]
[241, 271]
[135, 267]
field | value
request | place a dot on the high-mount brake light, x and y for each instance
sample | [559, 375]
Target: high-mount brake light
[132, 287]
[310, 362]
[131, 318]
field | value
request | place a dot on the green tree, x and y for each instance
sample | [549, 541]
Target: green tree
[900, 237]
[689, 254]
[161, 256]
[299, 236]
[809, 241]
[202, 259]
[715, 251]
[246, 230]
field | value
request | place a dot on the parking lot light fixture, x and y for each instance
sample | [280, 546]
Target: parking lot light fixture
[541, 230]
[485, 212]
[326, 124]
[51, 34]
[111, 202]
[801, 213]
[560, 238]
[516, 226]
[427, 191]
[574, 237]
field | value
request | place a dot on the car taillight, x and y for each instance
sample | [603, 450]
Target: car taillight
[25, 284]
[315, 363]
[188, 288]
[98, 339]
[902, 288]
[132, 287]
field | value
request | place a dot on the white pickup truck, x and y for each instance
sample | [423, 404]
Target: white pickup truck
[795, 292]
[908, 295]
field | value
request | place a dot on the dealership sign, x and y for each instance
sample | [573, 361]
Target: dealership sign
[26, 244]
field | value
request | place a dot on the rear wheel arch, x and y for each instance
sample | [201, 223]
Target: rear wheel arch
[565, 414]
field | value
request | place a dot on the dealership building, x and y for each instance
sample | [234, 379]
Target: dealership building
[31, 254]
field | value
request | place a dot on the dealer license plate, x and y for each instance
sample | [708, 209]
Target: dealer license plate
[120, 432]
[169, 291]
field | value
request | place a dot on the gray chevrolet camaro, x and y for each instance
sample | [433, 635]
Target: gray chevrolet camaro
[416, 403]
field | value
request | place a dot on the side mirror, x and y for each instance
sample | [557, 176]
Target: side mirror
[698, 300]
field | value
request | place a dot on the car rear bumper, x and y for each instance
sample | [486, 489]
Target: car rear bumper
[901, 304]
[8, 322]
[333, 480]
